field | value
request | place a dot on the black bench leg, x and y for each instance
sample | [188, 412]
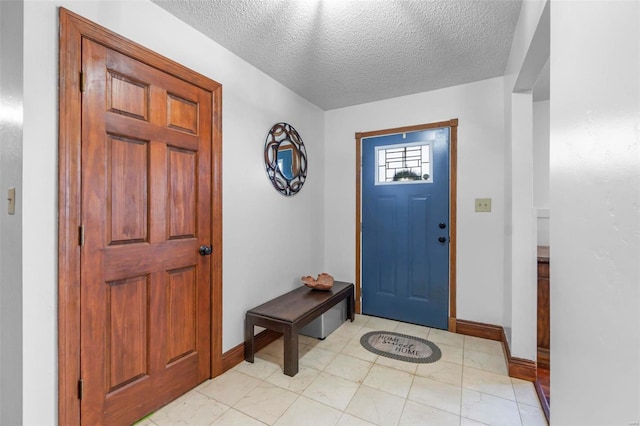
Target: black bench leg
[351, 307]
[290, 351]
[248, 340]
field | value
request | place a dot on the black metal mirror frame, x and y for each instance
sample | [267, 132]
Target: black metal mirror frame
[280, 134]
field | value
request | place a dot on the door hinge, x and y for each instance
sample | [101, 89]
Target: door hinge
[80, 388]
[81, 235]
[82, 81]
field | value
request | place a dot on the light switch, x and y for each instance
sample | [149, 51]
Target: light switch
[483, 204]
[12, 200]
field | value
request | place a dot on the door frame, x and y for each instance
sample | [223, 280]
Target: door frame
[453, 171]
[72, 29]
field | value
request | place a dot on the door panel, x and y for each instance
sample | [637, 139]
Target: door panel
[126, 96]
[146, 205]
[385, 241]
[127, 323]
[405, 268]
[182, 170]
[182, 339]
[182, 114]
[418, 270]
[127, 181]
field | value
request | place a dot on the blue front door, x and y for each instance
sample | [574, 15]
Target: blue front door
[405, 227]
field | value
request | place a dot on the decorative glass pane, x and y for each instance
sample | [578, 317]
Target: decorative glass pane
[407, 163]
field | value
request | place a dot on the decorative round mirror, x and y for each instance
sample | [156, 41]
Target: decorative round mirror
[285, 159]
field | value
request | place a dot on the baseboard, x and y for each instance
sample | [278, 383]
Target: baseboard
[235, 355]
[519, 368]
[478, 329]
[524, 369]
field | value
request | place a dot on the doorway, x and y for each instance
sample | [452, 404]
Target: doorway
[140, 248]
[406, 230]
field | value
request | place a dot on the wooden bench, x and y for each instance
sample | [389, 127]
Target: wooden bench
[290, 312]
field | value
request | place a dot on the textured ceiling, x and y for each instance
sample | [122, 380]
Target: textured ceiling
[337, 53]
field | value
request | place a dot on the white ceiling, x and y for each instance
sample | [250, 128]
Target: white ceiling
[337, 53]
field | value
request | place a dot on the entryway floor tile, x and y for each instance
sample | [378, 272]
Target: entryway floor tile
[341, 383]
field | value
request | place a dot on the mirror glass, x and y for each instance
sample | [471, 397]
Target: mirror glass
[288, 159]
[285, 159]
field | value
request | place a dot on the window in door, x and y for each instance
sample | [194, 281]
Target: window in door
[402, 164]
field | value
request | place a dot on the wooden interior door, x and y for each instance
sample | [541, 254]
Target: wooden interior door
[145, 335]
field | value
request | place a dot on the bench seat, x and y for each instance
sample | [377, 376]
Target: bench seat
[290, 312]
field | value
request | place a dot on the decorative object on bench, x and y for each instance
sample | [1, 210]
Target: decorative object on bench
[401, 347]
[285, 159]
[290, 312]
[323, 282]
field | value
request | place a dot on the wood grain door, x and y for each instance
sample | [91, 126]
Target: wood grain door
[145, 333]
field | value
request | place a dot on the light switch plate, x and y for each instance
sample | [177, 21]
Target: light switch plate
[12, 200]
[483, 205]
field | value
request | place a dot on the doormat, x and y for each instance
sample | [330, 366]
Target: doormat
[401, 347]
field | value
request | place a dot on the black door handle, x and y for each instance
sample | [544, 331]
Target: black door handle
[442, 225]
[205, 250]
[442, 239]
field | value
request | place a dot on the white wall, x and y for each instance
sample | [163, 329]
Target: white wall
[541, 169]
[518, 305]
[523, 242]
[479, 108]
[595, 202]
[269, 240]
[11, 96]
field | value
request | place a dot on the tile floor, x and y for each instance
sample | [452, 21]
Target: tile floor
[341, 383]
